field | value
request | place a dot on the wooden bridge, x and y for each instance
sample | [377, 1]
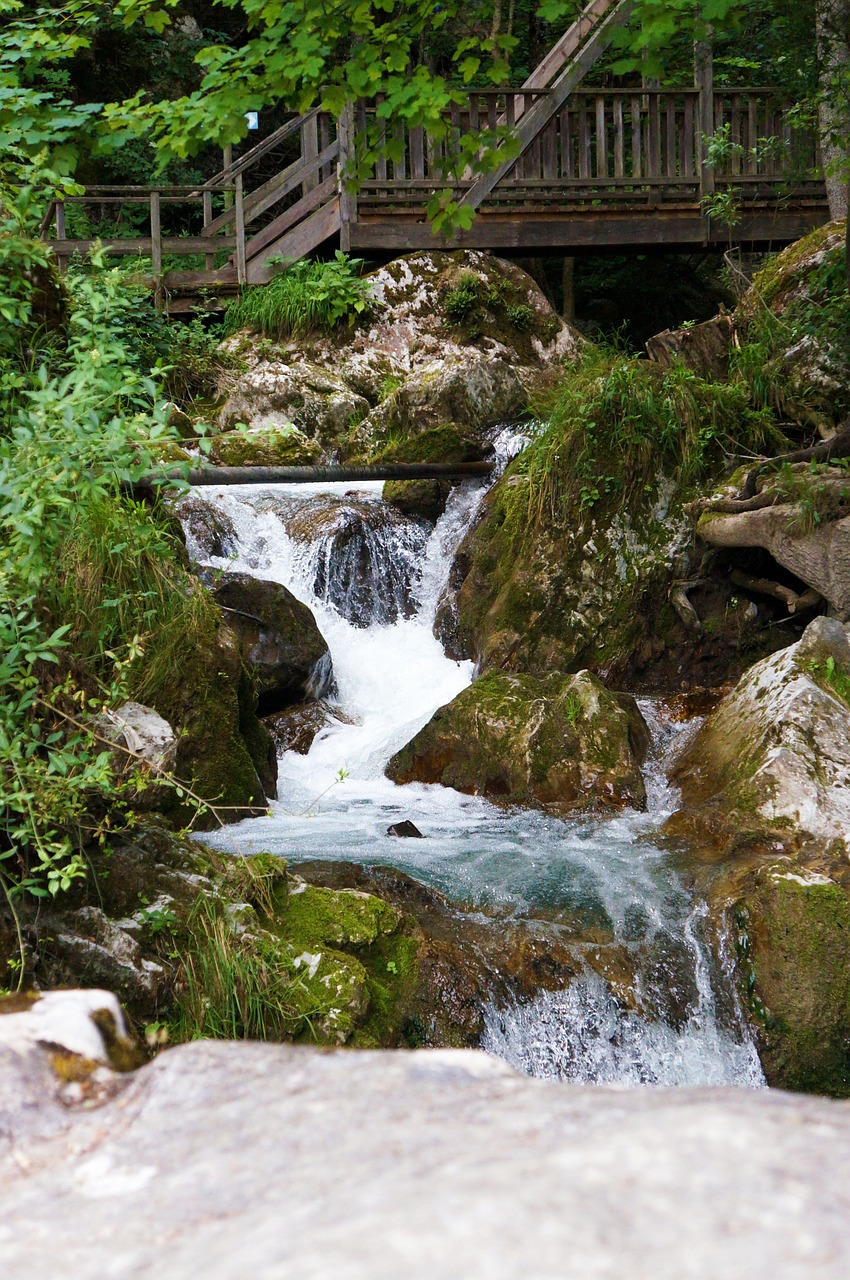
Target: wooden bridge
[587, 169]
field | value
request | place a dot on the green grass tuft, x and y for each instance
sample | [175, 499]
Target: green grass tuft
[306, 297]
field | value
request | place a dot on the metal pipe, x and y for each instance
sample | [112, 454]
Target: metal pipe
[318, 475]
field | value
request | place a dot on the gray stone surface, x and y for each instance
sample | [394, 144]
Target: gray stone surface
[256, 1162]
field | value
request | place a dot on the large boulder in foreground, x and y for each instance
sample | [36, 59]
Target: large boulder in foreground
[560, 742]
[510, 1168]
[281, 642]
[771, 767]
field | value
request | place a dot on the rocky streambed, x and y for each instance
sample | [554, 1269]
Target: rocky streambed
[622, 739]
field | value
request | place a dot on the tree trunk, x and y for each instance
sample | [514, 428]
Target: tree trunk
[833, 35]
[568, 293]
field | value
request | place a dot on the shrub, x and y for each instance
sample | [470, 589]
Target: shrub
[306, 297]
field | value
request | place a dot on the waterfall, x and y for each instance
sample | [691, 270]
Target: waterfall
[373, 579]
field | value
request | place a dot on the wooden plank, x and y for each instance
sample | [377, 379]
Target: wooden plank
[545, 108]
[282, 184]
[347, 157]
[671, 158]
[566, 142]
[619, 137]
[400, 164]
[653, 136]
[290, 218]
[310, 152]
[563, 49]
[417, 152]
[588, 230]
[550, 149]
[688, 157]
[583, 143]
[303, 239]
[637, 137]
[601, 138]
[199, 279]
[182, 246]
[241, 272]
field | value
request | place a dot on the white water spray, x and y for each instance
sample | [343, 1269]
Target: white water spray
[391, 675]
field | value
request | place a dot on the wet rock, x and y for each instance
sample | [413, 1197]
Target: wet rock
[286, 388]
[474, 393]
[144, 749]
[561, 742]
[771, 766]
[211, 529]
[365, 556]
[264, 446]
[788, 924]
[296, 728]
[404, 829]
[280, 641]
[512, 1167]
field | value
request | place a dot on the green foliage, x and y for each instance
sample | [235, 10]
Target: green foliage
[618, 422]
[307, 296]
[520, 315]
[78, 429]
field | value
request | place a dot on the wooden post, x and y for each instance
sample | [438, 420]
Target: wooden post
[704, 81]
[156, 248]
[309, 152]
[60, 232]
[241, 264]
[347, 199]
[209, 258]
[226, 162]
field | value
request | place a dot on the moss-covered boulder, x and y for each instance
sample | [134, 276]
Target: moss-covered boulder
[770, 768]
[279, 639]
[527, 594]
[460, 337]
[790, 934]
[793, 326]
[560, 742]
[264, 445]
[419, 499]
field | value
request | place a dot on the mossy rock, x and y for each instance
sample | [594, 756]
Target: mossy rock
[792, 940]
[559, 742]
[418, 499]
[260, 446]
[445, 443]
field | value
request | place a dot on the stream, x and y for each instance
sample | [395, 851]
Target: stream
[374, 595]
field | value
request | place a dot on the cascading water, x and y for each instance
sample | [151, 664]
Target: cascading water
[597, 878]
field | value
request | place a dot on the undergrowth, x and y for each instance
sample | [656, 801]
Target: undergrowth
[235, 987]
[306, 297]
[618, 421]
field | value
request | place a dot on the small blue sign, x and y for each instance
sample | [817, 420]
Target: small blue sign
[253, 118]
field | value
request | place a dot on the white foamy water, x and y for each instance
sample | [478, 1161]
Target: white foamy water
[606, 874]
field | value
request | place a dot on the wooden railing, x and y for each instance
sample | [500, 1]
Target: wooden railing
[226, 220]
[615, 147]
[632, 156]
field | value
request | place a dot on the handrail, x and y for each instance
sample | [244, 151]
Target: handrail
[257, 152]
